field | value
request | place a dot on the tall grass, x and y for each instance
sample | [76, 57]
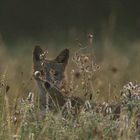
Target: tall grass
[19, 113]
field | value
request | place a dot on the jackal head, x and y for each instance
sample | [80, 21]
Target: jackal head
[53, 71]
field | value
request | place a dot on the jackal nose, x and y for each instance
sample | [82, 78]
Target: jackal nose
[47, 85]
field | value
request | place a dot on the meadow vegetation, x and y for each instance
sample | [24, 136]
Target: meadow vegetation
[108, 80]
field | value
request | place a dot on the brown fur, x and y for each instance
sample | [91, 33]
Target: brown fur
[53, 73]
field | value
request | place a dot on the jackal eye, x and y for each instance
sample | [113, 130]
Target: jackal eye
[53, 72]
[56, 73]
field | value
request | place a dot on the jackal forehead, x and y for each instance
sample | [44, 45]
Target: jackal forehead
[54, 71]
[54, 65]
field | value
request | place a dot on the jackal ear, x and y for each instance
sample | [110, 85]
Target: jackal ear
[63, 56]
[37, 52]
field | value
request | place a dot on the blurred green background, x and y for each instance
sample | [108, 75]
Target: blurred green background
[66, 20]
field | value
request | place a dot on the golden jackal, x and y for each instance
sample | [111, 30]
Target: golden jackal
[50, 78]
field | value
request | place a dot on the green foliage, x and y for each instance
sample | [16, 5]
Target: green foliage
[20, 117]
